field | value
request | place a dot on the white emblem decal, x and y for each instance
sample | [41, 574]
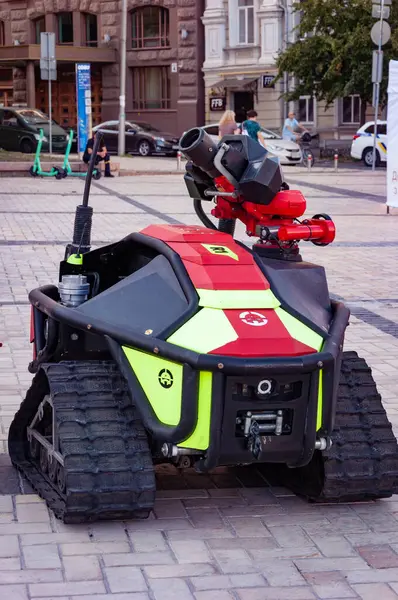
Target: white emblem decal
[253, 318]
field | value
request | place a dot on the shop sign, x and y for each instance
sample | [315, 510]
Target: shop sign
[218, 103]
[268, 81]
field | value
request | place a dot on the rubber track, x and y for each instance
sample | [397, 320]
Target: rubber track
[362, 463]
[108, 464]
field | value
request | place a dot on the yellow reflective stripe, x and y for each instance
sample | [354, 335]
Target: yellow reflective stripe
[220, 251]
[207, 330]
[151, 372]
[320, 402]
[200, 439]
[299, 331]
[382, 148]
[248, 299]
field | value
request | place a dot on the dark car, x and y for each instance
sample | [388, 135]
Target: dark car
[20, 129]
[141, 138]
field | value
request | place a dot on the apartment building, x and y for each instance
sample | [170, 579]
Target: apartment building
[164, 58]
[242, 41]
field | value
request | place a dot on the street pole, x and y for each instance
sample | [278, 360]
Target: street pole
[50, 108]
[377, 98]
[122, 97]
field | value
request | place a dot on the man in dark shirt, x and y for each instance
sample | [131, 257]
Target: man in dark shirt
[251, 128]
[102, 154]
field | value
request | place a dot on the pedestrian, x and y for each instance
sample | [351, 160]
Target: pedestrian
[227, 124]
[290, 127]
[251, 128]
[102, 154]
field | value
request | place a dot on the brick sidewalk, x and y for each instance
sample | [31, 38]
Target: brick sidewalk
[228, 536]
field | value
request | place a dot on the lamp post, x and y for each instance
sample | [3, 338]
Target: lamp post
[122, 96]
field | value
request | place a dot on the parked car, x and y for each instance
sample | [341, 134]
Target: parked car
[362, 143]
[20, 129]
[141, 138]
[289, 153]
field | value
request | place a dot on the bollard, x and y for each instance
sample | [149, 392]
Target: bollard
[309, 158]
[336, 161]
[179, 160]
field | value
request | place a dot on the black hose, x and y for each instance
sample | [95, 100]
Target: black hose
[91, 167]
[197, 204]
[227, 226]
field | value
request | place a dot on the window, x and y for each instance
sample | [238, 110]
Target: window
[150, 27]
[2, 40]
[65, 28]
[10, 119]
[351, 110]
[39, 28]
[381, 129]
[306, 109]
[246, 21]
[151, 88]
[91, 29]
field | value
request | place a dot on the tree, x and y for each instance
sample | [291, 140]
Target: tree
[332, 56]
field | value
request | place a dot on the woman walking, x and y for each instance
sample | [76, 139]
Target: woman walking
[227, 124]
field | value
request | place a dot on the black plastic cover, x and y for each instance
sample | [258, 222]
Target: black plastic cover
[261, 181]
[302, 288]
[150, 298]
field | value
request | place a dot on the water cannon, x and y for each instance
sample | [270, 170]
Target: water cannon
[246, 183]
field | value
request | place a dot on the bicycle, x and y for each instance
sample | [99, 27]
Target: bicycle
[304, 141]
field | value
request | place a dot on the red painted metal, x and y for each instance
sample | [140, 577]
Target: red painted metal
[260, 333]
[219, 277]
[207, 267]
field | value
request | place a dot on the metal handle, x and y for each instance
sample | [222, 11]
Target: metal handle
[217, 163]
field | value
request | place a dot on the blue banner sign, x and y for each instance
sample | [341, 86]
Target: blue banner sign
[83, 99]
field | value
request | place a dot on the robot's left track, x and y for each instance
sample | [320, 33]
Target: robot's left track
[78, 439]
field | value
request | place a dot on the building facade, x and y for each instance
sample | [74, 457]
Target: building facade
[243, 39]
[164, 58]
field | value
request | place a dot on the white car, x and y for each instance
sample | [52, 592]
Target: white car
[362, 143]
[289, 153]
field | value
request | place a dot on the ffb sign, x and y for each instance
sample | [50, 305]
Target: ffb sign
[268, 81]
[218, 103]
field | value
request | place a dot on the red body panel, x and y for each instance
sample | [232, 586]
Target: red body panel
[186, 233]
[261, 333]
[208, 269]
[232, 277]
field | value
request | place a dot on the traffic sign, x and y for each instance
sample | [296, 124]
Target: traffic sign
[377, 66]
[380, 30]
[48, 64]
[377, 13]
[381, 2]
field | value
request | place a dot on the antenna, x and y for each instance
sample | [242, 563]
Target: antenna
[83, 215]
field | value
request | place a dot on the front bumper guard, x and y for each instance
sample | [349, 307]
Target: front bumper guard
[45, 299]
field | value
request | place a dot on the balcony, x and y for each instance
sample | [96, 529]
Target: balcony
[15, 55]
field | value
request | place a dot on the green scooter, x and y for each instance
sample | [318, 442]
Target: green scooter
[36, 169]
[66, 169]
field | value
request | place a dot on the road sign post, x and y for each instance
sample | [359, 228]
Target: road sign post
[48, 71]
[380, 34]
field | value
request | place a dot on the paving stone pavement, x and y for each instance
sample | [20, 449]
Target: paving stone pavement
[228, 535]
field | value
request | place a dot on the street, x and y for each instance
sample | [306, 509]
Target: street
[228, 535]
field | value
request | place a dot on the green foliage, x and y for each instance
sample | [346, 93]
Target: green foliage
[336, 60]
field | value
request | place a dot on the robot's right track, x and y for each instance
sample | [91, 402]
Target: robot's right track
[362, 463]
[107, 464]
